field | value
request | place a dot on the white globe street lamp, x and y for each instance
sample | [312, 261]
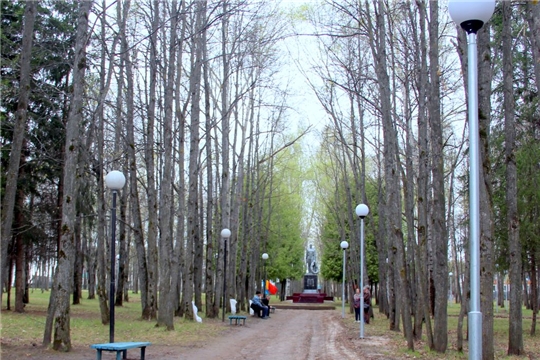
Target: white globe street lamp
[471, 16]
[225, 234]
[115, 181]
[264, 257]
[362, 211]
[344, 245]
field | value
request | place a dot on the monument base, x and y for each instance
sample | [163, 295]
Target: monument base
[306, 298]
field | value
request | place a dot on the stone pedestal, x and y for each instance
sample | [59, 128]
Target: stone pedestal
[310, 294]
[310, 283]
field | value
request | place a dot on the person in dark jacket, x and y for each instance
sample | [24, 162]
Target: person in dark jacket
[259, 307]
[367, 303]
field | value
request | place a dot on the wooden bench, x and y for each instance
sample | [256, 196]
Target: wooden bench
[120, 347]
[236, 318]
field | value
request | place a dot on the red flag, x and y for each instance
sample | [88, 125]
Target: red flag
[272, 288]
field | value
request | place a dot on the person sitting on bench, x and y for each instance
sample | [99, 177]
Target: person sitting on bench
[258, 306]
[266, 302]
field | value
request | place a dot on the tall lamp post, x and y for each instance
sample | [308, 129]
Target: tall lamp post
[471, 16]
[264, 257]
[362, 211]
[225, 234]
[344, 245]
[115, 181]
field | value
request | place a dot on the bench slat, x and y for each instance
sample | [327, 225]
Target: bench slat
[120, 345]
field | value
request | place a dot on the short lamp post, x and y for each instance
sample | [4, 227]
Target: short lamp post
[362, 211]
[115, 181]
[471, 16]
[225, 234]
[264, 257]
[344, 245]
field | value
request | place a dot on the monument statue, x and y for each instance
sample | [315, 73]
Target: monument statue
[311, 260]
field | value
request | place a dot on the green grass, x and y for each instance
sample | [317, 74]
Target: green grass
[86, 326]
[380, 327]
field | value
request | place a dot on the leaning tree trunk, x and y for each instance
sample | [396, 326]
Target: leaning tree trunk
[64, 277]
[12, 174]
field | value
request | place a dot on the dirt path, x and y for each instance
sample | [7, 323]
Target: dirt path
[288, 334]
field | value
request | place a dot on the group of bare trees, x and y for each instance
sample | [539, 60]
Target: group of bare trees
[179, 96]
[182, 97]
[393, 75]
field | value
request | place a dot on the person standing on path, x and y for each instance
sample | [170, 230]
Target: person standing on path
[367, 303]
[357, 297]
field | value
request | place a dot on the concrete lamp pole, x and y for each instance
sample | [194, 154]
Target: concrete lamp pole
[344, 245]
[471, 16]
[264, 257]
[362, 211]
[225, 234]
[115, 181]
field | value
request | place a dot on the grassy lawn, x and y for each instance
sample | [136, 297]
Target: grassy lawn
[86, 328]
[379, 327]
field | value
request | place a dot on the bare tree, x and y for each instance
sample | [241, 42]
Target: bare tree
[438, 215]
[166, 308]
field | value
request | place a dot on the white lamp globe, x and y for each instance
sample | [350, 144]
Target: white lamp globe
[344, 245]
[462, 11]
[265, 256]
[226, 233]
[115, 180]
[362, 210]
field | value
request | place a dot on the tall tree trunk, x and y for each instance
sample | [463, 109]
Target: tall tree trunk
[438, 231]
[150, 312]
[181, 111]
[486, 202]
[224, 201]
[515, 320]
[64, 280]
[134, 204]
[423, 177]
[166, 309]
[194, 151]
[19, 131]
[212, 311]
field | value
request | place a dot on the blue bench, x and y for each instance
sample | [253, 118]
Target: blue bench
[236, 318]
[120, 347]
